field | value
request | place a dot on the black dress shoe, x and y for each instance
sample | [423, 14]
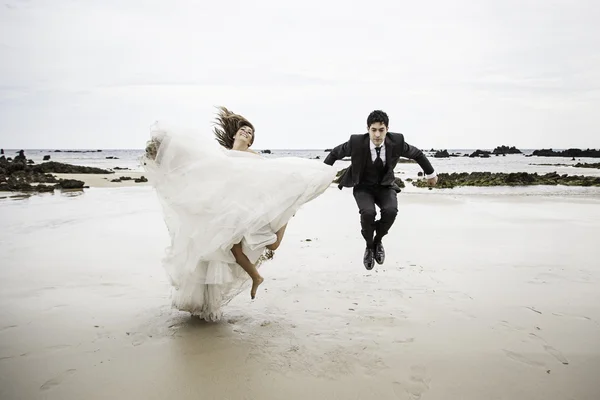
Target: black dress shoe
[379, 253]
[368, 258]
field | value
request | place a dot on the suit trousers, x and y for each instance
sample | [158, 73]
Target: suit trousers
[385, 197]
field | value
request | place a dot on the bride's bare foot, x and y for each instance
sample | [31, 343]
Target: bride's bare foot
[255, 283]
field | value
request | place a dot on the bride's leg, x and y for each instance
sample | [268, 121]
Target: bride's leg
[250, 268]
[279, 234]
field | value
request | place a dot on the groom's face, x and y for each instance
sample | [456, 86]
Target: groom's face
[377, 133]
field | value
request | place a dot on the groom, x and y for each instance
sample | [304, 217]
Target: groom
[374, 156]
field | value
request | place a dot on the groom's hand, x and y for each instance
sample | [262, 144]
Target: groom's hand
[432, 181]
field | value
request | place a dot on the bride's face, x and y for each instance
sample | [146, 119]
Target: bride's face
[244, 135]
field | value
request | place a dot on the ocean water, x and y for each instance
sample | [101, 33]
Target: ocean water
[130, 159]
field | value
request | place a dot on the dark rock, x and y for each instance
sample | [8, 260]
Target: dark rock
[120, 169]
[567, 153]
[508, 179]
[45, 188]
[22, 177]
[480, 153]
[15, 166]
[78, 151]
[126, 178]
[328, 150]
[20, 157]
[586, 165]
[420, 173]
[70, 184]
[266, 151]
[506, 150]
[141, 179]
[61, 168]
[112, 158]
[441, 154]
[552, 165]
[46, 158]
[30, 162]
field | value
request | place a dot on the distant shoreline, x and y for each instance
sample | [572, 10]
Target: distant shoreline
[427, 149]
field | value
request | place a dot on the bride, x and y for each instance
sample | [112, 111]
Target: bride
[225, 206]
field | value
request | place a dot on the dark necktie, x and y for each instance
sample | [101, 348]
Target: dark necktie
[378, 163]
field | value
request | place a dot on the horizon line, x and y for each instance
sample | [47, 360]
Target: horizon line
[427, 149]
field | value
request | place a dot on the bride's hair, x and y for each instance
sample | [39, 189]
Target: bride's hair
[227, 125]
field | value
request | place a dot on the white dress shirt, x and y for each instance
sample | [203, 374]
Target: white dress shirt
[374, 152]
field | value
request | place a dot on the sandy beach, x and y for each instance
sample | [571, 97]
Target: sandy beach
[104, 180]
[481, 297]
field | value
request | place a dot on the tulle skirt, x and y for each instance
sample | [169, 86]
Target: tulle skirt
[213, 198]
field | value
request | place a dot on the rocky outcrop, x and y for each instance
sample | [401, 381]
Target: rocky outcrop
[141, 179]
[62, 168]
[506, 150]
[586, 165]
[29, 181]
[20, 176]
[70, 184]
[567, 153]
[508, 179]
[480, 153]
[441, 154]
[78, 151]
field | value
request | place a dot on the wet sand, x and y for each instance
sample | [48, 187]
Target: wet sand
[480, 297]
[104, 180]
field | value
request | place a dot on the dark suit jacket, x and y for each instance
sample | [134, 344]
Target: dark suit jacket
[357, 147]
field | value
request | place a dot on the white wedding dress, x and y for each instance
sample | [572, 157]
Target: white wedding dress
[213, 198]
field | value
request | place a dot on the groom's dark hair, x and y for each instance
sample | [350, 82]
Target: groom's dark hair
[378, 116]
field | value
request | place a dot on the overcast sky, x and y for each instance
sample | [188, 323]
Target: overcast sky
[450, 74]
